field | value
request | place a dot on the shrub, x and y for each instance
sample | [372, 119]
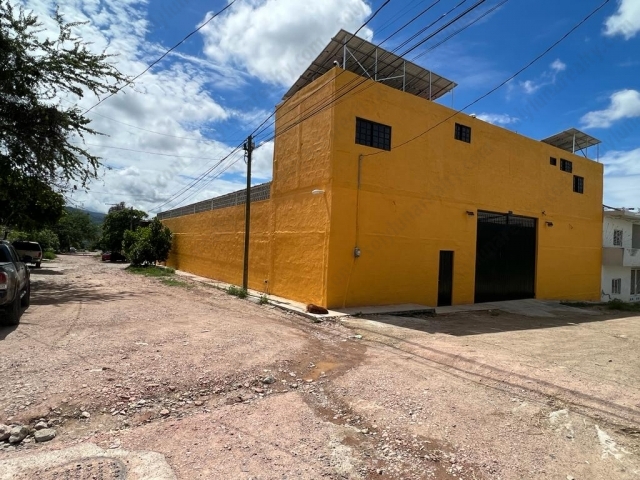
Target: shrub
[264, 300]
[237, 291]
[148, 245]
[49, 255]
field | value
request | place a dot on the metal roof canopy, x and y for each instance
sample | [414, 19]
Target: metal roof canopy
[572, 140]
[370, 61]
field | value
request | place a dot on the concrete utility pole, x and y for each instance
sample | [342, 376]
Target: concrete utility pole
[248, 147]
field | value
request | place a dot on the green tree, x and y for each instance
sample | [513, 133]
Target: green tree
[116, 223]
[148, 245]
[39, 151]
[75, 229]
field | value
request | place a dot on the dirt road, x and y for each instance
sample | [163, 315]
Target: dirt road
[227, 389]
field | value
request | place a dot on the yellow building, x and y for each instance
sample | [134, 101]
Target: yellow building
[381, 196]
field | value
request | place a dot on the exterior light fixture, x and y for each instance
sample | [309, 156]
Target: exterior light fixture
[317, 192]
[549, 224]
[357, 252]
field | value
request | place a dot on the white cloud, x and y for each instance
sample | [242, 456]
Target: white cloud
[172, 99]
[547, 78]
[626, 21]
[275, 40]
[621, 178]
[497, 118]
[559, 66]
[624, 104]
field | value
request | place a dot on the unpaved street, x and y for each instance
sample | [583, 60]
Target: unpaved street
[228, 389]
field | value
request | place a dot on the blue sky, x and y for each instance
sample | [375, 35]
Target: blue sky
[203, 99]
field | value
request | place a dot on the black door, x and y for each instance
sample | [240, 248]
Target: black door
[445, 279]
[505, 257]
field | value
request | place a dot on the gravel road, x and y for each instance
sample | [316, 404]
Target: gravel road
[227, 389]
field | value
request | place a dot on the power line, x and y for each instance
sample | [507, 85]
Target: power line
[535, 60]
[193, 32]
[359, 81]
[146, 152]
[201, 178]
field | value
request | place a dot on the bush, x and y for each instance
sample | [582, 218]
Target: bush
[49, 255]
[623, 306]
[237, 291]
[148, 245]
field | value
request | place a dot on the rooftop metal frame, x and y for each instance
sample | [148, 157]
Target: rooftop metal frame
[362, 57]
[573, 140]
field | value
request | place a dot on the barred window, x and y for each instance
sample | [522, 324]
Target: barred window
[463, 133]
[566, 165]
[617, 238]
[578, 184]
[616, 286]
[373, 134]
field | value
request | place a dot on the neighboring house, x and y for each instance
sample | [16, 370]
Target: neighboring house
[382, 196]
[621, 255]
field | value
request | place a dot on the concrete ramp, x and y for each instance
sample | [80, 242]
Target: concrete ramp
[87, 462]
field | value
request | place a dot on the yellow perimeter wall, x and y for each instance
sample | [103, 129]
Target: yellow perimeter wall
[289, 232]
[413, 202]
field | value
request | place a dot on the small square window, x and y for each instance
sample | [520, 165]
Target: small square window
[553, 161]
[373, 134]
[617, 238]
[616, 286]
[463, 133]
[578, 184]
[566, 165]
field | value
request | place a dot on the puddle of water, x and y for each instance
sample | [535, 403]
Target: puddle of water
[321, 369]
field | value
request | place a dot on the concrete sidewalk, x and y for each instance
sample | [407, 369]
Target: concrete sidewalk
[528, 308]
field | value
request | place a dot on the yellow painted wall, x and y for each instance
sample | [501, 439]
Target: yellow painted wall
[289, 232]
[413, 203]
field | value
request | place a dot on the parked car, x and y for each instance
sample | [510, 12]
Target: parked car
[15, 284]
[113, 257]
[29, 249]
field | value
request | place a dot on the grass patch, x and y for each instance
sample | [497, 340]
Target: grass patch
[237, 291]
[152, 271]
[580, 304]
[623, 306]
[48, 255]
[264, 300]
[172, 282]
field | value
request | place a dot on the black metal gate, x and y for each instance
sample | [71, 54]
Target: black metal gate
[505, 257]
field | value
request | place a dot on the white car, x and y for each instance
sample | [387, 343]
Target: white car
[29, 249]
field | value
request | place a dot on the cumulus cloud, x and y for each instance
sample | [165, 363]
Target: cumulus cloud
[626, 20]
[547, 78]
[624, 104]
[169, 110]
[497, 118]
[275, 40]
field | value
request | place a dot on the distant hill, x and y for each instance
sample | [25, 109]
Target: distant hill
[96, 217]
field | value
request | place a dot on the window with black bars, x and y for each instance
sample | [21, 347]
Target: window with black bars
[616, 286]
[578, 184]
[617, 238]
[566, 165]
[635, 282]
[463, 133]
[373, 134]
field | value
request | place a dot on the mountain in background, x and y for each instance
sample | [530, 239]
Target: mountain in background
[96, 217]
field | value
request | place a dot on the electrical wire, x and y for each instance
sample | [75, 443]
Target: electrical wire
[502, 84]
[201, 178]
[154, 63]
[361, 80]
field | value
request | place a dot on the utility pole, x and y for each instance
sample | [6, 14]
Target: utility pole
[248, 147]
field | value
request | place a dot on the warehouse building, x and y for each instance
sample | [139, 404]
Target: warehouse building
[382, 196]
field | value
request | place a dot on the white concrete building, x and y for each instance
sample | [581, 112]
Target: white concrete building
[621, 256]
